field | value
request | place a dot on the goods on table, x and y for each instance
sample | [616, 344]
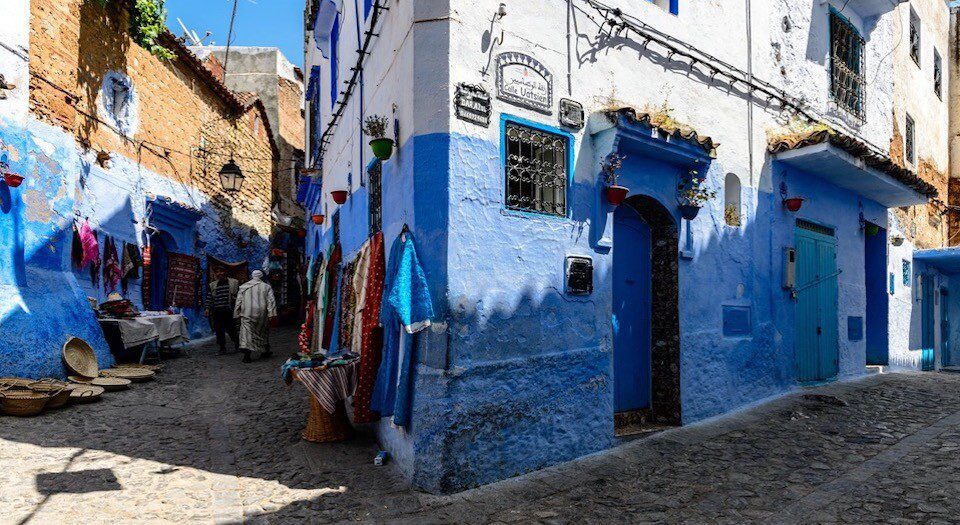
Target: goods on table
[86, 393]
[23, 402]
[79, 358]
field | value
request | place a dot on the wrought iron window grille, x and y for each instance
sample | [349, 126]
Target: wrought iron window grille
[535, 170]
[374, 178]
[914, 36]
[847, 82]
[937, 74]
[909, 148]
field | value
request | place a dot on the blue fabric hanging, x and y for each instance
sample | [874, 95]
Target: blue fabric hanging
[406, 305]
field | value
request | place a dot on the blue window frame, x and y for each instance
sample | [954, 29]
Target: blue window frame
[537, 166]
[334, 61]
[673, 5]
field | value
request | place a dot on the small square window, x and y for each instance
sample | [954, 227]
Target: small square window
[909, 145]
[535, 170]
[914, 36]
[579, 275]
[907, 274]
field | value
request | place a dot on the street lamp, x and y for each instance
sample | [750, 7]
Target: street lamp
[231, 178]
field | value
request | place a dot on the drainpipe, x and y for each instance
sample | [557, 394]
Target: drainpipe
[750, 91]
[356, 16]
[569, 50]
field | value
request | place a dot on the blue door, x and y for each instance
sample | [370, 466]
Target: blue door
[816, 307]
[631, 310]
[927, 324]
[945, 358]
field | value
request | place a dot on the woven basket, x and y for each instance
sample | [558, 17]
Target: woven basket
[59, 392]
[23, 403]
[86, 393]
[15, 383]
[137, 375]
[111, 384]
[324, 427]
[79, 358]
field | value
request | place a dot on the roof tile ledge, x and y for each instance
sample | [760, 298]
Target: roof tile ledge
[662, 122]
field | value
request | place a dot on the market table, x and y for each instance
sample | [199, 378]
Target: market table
[147, 328]
[329, 388]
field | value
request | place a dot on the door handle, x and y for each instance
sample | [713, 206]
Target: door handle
[819, 330]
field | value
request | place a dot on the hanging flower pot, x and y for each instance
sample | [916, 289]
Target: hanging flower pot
[897, 240]
[689, 211]
[871, 230]
[301, 233]
[793, 204]
[616, 194]
[382, 148]
[12, 179]
[317, 219]
[339, 196]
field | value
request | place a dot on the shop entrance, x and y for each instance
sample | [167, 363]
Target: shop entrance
[875, 274]
[645, 317]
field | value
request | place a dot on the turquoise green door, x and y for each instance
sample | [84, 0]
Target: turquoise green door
[927, 322]
[816, 307]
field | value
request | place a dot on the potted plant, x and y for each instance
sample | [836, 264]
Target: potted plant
[693, 195]
[611, 167]
[793, 204]
[339, 196]
[375, 126]
[871, 229]
[897, 240]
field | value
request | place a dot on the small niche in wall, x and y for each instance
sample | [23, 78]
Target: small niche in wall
[579, 274]
[854, 328]
[736, 321]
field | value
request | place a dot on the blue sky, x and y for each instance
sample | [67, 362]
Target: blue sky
[276, 23]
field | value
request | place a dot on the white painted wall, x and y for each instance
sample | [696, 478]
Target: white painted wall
[14, 57]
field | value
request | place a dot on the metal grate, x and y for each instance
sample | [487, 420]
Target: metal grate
[909, 148]
[937, 74]
[535, 170]
[914, 36]
[846, 65]
[374, 187]
[814, 227]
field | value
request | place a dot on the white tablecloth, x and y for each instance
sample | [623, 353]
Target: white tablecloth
[168, 329]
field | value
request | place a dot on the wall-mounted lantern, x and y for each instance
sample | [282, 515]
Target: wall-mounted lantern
[231, 178]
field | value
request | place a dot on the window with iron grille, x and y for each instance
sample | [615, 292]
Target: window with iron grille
[909, 148]
[535, 170]
[914, 36]
[937, 74]
[846, 65]
[375, 175]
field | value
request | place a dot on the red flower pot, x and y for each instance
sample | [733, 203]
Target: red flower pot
[339, 196]
[616, 194]
[793, 204]
[301, 233]
[317, 219]
[12, 179]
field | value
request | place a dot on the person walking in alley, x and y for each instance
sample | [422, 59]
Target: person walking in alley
[221, 299]
[255, 307]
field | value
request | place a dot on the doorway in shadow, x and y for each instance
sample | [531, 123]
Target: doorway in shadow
[875, 274]
[645, 316]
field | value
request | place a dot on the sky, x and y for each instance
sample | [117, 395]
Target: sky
[271, 23]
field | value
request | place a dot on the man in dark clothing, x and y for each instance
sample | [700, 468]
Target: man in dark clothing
[221, 299]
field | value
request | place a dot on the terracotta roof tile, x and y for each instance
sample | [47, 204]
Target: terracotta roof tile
[669, 127]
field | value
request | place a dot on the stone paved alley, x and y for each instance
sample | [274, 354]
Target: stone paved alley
[214, 441]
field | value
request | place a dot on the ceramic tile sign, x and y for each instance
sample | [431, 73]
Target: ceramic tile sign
[472, 104]
[523, 81]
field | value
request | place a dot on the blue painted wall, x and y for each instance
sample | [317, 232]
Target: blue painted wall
[42, 299]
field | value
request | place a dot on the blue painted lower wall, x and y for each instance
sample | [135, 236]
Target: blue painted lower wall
[43, 300]
[516, 374]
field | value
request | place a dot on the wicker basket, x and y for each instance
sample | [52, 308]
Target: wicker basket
[324, 427]
[79, 357]
[86, 393]
[59, 392]
[15, 383]
[23, 403]
[137, 375]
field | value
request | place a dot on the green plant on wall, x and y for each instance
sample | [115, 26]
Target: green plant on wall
[148, 20]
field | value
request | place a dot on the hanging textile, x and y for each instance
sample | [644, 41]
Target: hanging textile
[96, 263]
[359, 290]
[111, 265]
[406, 306]
[321, 309]
[305, 337]
[333, 270]
[76, 250]
[237, 270]
[346, 307]
[367, 343]
[91, 248]
[145, 283]
[182, 271]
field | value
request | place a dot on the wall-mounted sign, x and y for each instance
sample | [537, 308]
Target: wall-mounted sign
[571, 113]
[524, 81]
[472, 104]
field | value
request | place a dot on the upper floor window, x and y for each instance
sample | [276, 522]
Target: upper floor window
[535, 169]
[118, 99]
[914, 36]
[909, 146]
[937, 74]
[673, 6]
[846, 65]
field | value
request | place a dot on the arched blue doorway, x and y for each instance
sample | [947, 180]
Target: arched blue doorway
[645, 316]
[161, 243]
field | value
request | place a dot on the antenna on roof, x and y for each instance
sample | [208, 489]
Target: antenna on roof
[190, 35]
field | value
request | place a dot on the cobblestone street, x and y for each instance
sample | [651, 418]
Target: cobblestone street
[212, 440]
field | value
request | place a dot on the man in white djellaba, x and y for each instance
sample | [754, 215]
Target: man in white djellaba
[255, 307]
